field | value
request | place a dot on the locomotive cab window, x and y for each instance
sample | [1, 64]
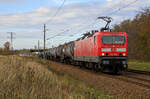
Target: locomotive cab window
[95, 40]
[113, 39]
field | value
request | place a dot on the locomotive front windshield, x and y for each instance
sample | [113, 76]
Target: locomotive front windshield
[113, 39]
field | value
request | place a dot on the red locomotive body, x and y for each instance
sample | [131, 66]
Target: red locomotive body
[108, 49]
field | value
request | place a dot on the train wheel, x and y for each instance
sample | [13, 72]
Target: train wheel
[96, 67]
[91, 66]
[65, 61]
[87, 65]
[80, 64]
[83, 64]
[117, 69]
[73, 63]
[61, 60]
[126, 67]
[121, 69]
[102, 67]
[76, 63]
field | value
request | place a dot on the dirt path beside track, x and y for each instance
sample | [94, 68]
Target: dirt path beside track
[118, 88]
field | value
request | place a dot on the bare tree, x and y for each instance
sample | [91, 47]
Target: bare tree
[7, 46]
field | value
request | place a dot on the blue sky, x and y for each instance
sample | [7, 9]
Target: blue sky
[20, 6]
[26, 19]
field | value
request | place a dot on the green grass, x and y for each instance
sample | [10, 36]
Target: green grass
[23, 78]
[137, 65]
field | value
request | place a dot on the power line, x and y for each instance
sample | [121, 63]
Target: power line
[117, 10]
[59, 34]
[114, 12]
[123, 7]
[57, 11]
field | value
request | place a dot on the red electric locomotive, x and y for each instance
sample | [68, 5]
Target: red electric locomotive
[109, 50]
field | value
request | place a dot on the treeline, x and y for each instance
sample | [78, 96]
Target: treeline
[8, 52]
[13, 52]
[138, 30]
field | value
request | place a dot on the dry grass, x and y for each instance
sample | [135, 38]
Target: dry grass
[22, 78]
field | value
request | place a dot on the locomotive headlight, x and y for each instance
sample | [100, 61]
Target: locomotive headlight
[106, 49]
[103, 54]
[124, 54]
[121, 49]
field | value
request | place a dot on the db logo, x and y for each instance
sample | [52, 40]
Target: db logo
[113, 49]
[115, 54]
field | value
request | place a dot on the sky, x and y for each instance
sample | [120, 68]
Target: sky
[25, 18]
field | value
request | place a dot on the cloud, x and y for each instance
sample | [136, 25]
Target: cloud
[78, 18]
[25, 19]
[57, 1]
[108, 0]
[6, 1]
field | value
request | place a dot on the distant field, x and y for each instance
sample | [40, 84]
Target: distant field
[22, 78]
[145, 66]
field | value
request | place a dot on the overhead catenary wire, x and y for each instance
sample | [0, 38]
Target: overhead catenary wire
[109, 14]
[113, 12]
[55, 14]
[59, 34]
[93, 23]
[119, 9]
[57, 11]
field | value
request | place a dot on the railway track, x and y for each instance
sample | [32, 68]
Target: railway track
[141, 78]
[135, 80]
[132, 79]
[136, 77]
[139, 72]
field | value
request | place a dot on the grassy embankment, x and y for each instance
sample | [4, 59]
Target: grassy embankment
[22, 78]
[137, 65]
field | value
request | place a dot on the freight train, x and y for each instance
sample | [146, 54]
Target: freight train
[102, 51]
